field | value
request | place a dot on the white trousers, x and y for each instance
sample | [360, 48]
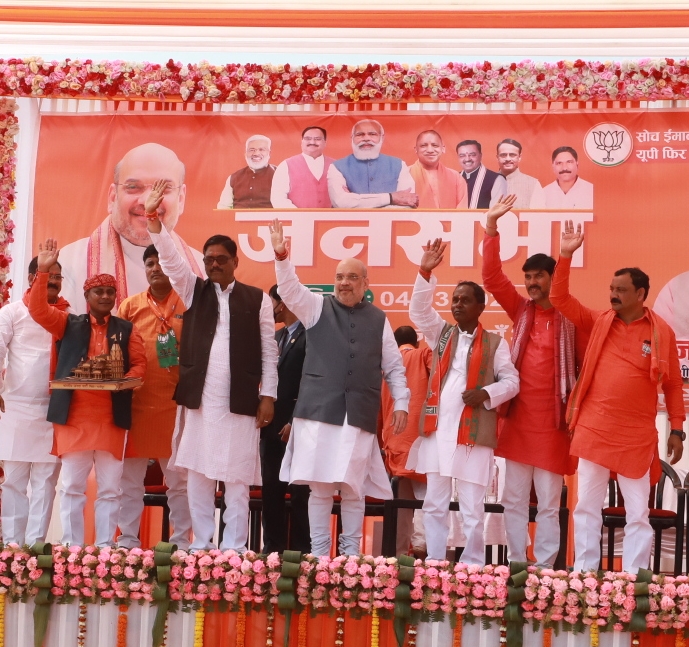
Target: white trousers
[76, 467]
[25, 520]
[201, 494]
[351, 510]
[406, 527]
[515, 499]
[638, 534]
[436, 517]
[132, 503]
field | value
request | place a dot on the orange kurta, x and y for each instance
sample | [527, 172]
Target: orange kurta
[616, 420]
[153, 409]
[90, 424]
[529, 433]
[450, 192]
[417, 363]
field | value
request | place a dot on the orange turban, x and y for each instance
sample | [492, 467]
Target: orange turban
[104, 280]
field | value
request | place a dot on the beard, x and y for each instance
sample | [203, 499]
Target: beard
[367, 153]
[256, 166]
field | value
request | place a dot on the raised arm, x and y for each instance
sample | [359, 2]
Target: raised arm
[494, 279]
[52, 319]
[581, 316]
[181, 276]
[298, 298]
[421, 311]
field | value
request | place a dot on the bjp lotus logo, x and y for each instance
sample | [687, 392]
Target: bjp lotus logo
[608, 144]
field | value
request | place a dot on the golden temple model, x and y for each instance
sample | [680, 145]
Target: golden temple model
[102, 367]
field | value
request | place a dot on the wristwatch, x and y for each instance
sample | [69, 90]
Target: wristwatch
[680, 433]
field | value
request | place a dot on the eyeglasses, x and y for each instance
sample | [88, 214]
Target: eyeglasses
[316, 140]
[55, 277]
[220, 260]
[136, 188]
[468, 155]
[352, 278]
[251, 151]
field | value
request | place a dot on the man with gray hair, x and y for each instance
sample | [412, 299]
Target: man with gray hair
[249, 187]
[367, 179]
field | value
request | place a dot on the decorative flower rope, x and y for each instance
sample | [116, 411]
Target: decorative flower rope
[457, 633]
[122, 626]
[301, 636]
[594, 635]
[270, 626]
[9, 127]
[547, 637]
[81, 633]
[241, 626]
[199, 622]
[375, 628]
[411, 636]
[339, 631]
[2, 620]
[483, 82]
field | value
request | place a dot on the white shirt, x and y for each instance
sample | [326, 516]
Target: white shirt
[440, 452]
[580, 196]
[341, 198]
[25, 348]
[325, 453]
[74, 261]
[281, 186]
[212, 440]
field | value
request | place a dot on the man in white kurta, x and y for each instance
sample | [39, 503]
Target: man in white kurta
[332, 457]
[439, 455]
[26, 438]
[212, 442]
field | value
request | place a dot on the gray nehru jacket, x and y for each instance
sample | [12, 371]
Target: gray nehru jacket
[342, 370]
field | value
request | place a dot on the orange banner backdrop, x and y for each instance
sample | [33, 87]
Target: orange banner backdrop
[636, 218]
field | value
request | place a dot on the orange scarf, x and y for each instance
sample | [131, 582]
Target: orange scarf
[479, 354]
[60, 304]
[451, 186]
[660, 353]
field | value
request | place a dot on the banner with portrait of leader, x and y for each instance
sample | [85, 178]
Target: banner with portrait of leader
[625, 185]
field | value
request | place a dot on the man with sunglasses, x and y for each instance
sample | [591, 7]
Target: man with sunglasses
[116, 245]
[221, 404]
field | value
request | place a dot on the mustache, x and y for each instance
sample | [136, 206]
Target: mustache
[565, 172]
[54, 286]
[615, 300]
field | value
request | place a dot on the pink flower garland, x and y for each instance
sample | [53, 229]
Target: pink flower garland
[485, 82]
[8, 162]
[357, 584]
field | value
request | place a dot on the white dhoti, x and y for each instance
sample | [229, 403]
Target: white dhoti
[331, 458]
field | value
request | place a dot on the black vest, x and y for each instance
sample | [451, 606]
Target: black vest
[486, 188]
[72, 349]
[343, 366]
[244, 353]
